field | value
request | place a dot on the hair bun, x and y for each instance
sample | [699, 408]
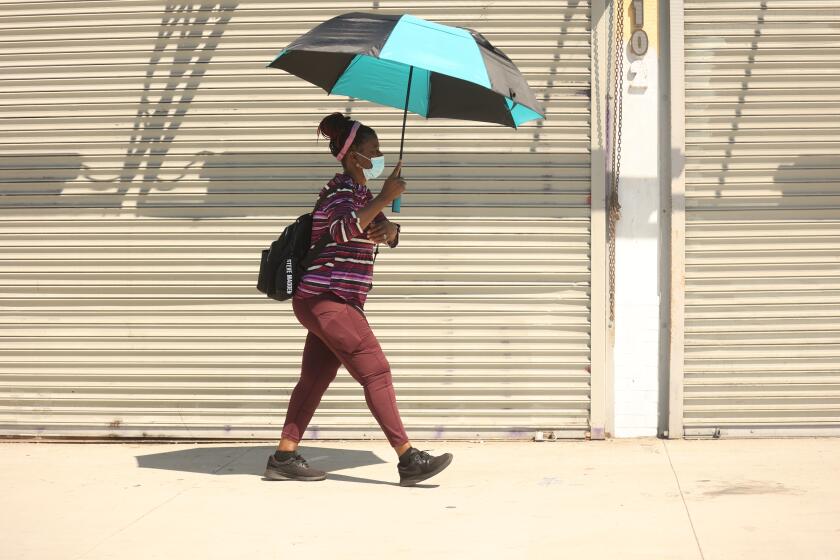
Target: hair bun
[337, 127]
[332, 126]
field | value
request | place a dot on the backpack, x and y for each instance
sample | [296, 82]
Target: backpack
[285, 262]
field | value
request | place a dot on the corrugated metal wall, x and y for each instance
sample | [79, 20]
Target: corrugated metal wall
[148, 156]
[762, 327]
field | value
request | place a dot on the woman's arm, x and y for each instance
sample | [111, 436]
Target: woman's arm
[382, 226]
[347, 223]
[392, 189]
[372, 210]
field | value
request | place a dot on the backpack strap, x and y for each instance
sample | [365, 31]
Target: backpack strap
[313, 253]
[316, 250]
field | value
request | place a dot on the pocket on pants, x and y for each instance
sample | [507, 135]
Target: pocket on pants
[341, 331]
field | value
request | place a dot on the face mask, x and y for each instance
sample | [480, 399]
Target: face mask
[377, 169]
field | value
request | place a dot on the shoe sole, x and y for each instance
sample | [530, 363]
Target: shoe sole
[421, 477]
[274, 475]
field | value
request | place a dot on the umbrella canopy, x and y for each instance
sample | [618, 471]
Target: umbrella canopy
[442, 71]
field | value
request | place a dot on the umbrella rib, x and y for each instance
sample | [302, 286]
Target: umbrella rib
[340, 74]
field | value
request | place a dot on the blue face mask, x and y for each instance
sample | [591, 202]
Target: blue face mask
[377, 169]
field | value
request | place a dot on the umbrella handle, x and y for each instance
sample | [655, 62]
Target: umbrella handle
[395, 205]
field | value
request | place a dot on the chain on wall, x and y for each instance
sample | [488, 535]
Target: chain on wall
[613, 206]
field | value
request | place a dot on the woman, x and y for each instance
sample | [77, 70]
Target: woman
[329, 302]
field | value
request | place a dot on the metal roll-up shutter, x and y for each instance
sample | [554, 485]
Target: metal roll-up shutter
[148, 156]
[762, 314]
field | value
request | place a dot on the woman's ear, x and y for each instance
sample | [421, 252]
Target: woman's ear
[357, 159]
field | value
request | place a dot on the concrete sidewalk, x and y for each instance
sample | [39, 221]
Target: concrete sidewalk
[617, 499]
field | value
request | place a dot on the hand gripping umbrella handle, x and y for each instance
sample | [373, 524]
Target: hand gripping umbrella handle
[395, 205]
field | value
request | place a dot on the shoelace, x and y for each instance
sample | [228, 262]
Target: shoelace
[298, 459]
[422, 455]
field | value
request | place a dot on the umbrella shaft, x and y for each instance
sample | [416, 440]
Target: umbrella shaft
[405, 112]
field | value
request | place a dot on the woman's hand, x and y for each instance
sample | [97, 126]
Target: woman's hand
[394, 185]
[392, 189]
[382, 232]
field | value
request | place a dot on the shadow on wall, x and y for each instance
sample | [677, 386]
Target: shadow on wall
[272, 181]
[188, 37]
[580, 90]
[254, 184]
[795, 188]
[152, 179]
[805, 177]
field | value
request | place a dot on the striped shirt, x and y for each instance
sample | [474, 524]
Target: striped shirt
[345, 266]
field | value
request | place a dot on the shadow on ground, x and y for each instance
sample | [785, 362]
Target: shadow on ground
[252, 461]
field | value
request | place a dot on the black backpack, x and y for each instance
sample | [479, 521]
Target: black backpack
[285, 262]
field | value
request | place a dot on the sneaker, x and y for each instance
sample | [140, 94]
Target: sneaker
[421, 466]
[293, 468]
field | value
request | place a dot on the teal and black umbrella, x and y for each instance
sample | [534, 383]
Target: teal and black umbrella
[433, 70]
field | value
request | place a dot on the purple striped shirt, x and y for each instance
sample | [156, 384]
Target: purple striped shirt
[345, 266]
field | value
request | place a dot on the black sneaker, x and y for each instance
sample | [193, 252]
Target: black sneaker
[420, 466]
[293, 468]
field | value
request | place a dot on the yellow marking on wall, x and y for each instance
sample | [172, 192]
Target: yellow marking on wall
[651, 23]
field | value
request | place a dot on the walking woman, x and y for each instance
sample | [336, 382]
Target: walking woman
[329, 302]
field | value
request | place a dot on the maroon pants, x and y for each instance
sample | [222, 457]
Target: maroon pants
[339, 334]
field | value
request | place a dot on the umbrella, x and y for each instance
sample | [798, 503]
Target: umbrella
[413, 64]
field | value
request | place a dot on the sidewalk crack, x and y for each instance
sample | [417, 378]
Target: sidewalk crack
[682, 497]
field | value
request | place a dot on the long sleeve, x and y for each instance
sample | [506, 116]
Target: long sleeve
[381, 217]
[343, 222]
[345, 266]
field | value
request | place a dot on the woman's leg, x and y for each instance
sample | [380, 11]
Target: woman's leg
[347, 333]
[318, 369]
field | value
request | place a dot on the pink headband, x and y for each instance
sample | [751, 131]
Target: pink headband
[348, 141]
